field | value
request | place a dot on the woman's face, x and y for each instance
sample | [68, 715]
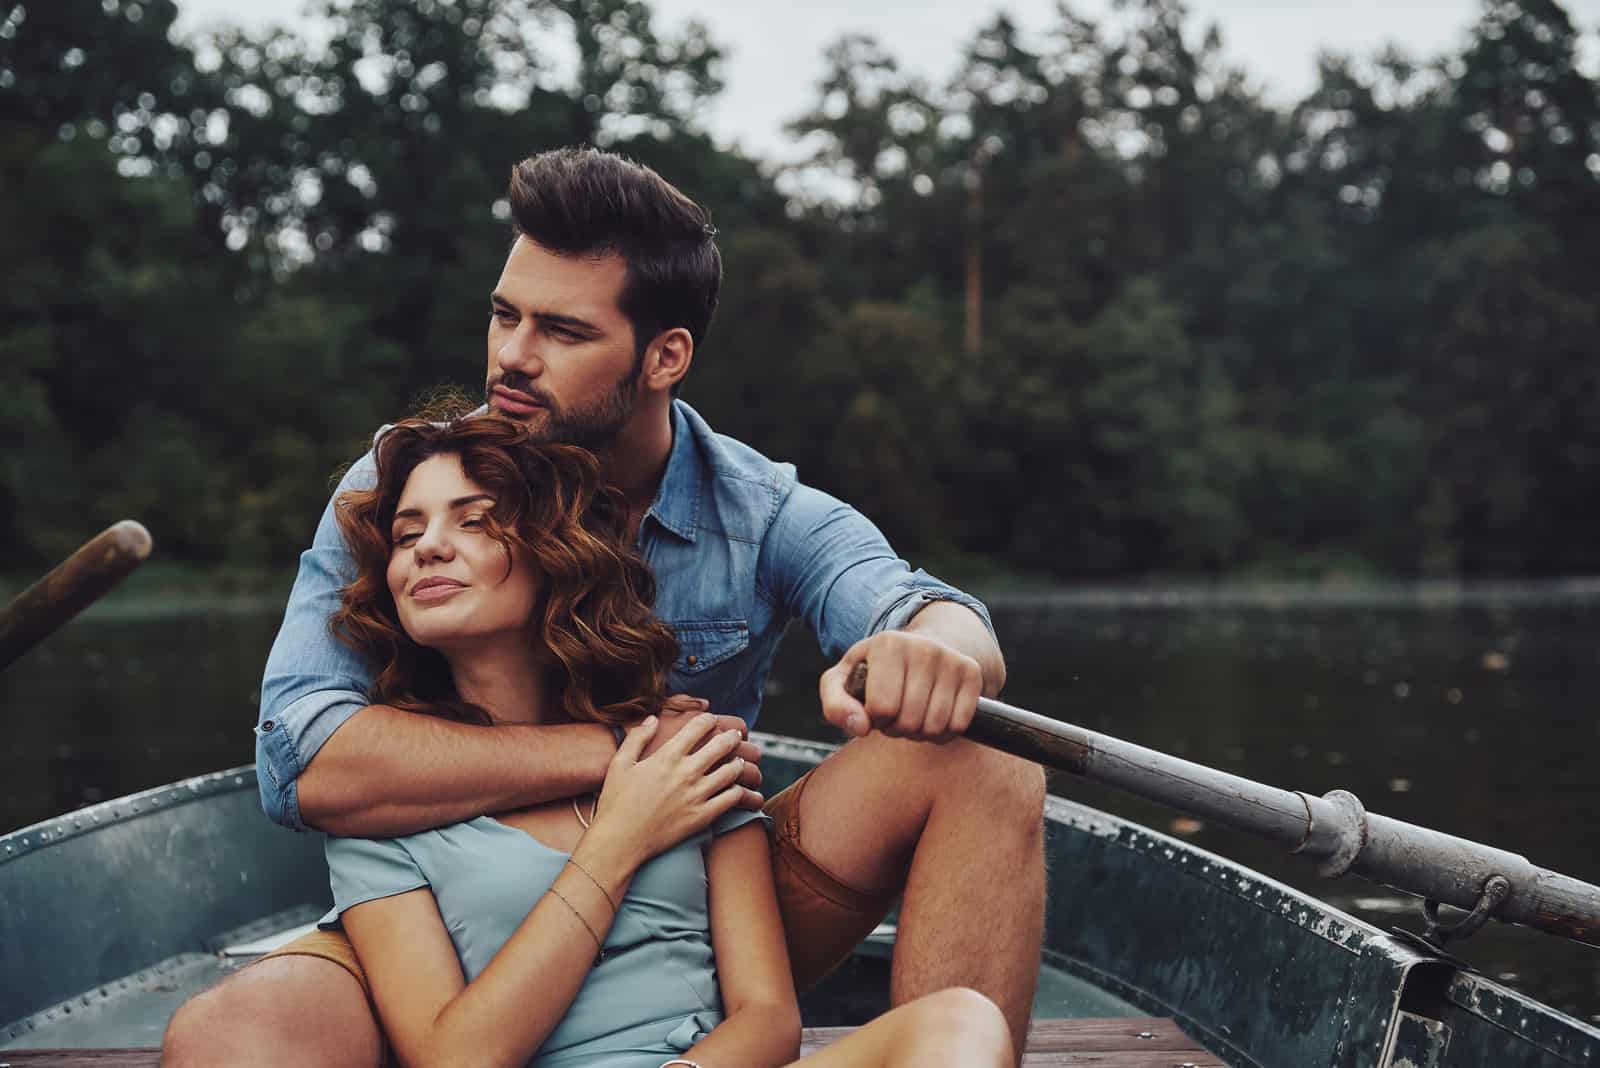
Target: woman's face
[452, 583]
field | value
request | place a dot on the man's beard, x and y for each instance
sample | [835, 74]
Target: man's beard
[594, 426]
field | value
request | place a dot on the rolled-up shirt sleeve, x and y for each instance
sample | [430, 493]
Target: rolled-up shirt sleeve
[313, 683]
[828, 564]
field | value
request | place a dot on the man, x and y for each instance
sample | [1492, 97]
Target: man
[609, 287]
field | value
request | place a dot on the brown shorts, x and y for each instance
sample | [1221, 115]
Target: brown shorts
[823, 919]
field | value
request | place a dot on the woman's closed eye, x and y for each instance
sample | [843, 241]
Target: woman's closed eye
[410, 537]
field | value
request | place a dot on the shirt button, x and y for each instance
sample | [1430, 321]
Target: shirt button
[691, 660]
[267, 726]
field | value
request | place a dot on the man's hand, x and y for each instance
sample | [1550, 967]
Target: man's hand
[918, 688]
[679, 710]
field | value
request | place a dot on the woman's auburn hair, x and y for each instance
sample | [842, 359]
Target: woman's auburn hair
[593, 609]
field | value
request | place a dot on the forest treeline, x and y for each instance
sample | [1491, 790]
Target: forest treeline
[1091, 309]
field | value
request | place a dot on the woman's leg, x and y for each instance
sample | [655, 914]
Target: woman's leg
[955, 1026]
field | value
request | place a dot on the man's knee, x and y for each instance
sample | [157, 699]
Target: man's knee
[286, 1010]
[993, 780]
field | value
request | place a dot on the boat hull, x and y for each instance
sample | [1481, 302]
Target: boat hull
[140, 894]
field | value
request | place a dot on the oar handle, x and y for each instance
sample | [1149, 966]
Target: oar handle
[1011, 730]
[70, 587]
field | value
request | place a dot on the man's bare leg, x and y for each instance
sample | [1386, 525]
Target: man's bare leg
[302, 1011]
[962, 827]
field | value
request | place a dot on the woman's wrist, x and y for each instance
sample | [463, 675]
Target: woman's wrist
[609, 855]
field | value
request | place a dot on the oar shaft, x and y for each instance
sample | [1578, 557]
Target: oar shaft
[1335, 829]
[1239, 802]
[71, 587]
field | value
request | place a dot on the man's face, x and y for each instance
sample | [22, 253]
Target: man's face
[561, 353]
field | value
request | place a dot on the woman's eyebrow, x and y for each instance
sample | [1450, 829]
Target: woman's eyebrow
[459, 502]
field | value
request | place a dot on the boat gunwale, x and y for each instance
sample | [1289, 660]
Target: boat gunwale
[105, 814]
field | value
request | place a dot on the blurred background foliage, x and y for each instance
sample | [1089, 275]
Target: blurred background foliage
[1355, 337]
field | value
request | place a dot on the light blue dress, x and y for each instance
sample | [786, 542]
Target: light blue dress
[652, 997]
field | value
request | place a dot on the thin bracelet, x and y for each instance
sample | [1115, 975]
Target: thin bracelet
[574, 862]
[691, 1064]
[600, 947]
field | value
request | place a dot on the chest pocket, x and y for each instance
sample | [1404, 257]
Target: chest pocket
[705, 644]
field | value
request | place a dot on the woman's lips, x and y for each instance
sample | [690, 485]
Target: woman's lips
[435, 590]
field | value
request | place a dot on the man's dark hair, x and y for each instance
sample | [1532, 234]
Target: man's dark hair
[581, 201]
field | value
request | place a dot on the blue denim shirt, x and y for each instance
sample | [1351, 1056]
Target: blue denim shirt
[738, 548]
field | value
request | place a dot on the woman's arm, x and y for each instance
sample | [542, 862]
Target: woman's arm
[434, 1017]
[762, 1023]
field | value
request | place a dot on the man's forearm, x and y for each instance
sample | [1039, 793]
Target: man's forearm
[960, 628]
[386, 772]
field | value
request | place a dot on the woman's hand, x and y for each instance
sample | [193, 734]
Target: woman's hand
[652, 804]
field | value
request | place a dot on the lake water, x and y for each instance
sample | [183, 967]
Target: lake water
[1473, 712]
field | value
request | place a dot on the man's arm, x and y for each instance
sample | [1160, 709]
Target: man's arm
[932, 648]
[386, 772]
[326, 758]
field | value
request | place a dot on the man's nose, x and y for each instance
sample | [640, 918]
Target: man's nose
[520, 351]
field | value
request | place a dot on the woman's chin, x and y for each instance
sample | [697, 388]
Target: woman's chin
[448, 636]
[434, 631]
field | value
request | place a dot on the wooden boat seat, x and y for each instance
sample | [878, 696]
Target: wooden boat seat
[1127, 1042]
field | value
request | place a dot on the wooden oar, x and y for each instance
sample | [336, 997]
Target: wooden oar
[72, 586]
[1335, 829]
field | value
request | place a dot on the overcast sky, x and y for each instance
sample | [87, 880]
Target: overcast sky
[775, 46]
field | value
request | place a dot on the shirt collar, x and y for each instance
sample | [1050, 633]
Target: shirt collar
[677, 503]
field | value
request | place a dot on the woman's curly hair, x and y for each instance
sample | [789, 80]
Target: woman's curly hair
[593, 612]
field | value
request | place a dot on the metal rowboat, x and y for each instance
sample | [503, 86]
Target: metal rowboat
[112, 915]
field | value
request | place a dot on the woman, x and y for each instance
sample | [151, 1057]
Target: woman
[495, 584]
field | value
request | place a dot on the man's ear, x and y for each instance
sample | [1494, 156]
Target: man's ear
[667, 359]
